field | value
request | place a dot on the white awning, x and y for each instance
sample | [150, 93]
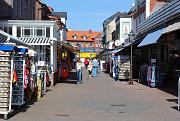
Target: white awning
[173, 27]
[36, 41]
[152, 38]
[117, 50]
[6, 38]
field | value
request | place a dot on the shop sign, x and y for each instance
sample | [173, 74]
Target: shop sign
[116, 57]
[153, 61]
[125, 29]
[41, 63]
[87, 50]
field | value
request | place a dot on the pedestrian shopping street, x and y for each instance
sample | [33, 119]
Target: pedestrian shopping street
[101, 99]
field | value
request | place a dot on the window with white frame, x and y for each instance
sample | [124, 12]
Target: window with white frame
[84, 37]
[90, 44]
[78, 44]
[27, 32]
[97, 45]
[74, 36]
[33, 31]
[39, 32]
[7, 29]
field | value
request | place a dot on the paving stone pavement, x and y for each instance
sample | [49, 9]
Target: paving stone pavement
[101, 99]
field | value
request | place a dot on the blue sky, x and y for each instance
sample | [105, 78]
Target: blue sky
[89, 14]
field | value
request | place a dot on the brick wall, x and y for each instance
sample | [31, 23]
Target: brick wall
[153, 3]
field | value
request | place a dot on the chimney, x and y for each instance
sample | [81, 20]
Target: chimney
[90, 31]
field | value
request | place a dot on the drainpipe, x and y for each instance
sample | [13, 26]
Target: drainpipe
[148, 8]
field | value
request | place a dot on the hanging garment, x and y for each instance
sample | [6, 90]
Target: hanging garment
[15, 78]
[64, 73]
[153, 79]
[25, 77]
[149, 73]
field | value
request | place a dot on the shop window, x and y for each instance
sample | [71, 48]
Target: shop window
[178, 35]
[162, 54]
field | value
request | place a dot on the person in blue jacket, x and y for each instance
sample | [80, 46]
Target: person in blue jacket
[95, 66]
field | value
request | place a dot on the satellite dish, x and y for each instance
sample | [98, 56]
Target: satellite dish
[117, 42]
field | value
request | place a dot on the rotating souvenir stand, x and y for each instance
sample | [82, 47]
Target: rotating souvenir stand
[43, 78]
[154, 76]
[123, 67]
[18, 87]
[6, 77]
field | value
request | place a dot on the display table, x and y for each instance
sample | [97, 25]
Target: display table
[72, 75]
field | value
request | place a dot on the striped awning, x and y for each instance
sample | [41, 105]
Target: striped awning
[36, 41]
[3, 40]
[6, 38]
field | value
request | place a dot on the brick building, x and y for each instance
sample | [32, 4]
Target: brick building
[88, 42]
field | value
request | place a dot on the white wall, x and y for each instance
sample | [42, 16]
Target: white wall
[110, 28]
[147, 8]
[63, 20]
[124, 22]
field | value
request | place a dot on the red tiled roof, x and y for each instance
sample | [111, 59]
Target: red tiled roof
[79, 35]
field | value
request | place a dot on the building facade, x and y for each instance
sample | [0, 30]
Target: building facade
[88, 42]
[142, 9]
[123, 28]
[24, 10]
[158, 35]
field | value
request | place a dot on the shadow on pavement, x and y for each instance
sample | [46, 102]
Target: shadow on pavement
[175, 107]
[69, 81]
[173, 100]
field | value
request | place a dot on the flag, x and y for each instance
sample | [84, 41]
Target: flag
[14, 77]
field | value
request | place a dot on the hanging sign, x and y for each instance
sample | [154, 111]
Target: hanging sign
[41, 63]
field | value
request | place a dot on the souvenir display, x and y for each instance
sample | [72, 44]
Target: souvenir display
[5, 83]
[123, 67]
[154, 76]
[18, 88]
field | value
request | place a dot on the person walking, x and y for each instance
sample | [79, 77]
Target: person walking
[90, 66]
[86, 63]
[95, 66]
[79, 66]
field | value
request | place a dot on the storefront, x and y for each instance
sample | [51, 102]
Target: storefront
[13, 70]
[44, 36]
[67, 56]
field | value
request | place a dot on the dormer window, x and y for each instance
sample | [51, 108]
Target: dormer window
[74, 36]
[84, 37]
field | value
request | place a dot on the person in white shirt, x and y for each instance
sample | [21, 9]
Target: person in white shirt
[79, 66]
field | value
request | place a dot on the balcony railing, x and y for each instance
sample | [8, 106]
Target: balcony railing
[161, 18]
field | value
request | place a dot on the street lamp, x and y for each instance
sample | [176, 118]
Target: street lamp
[131, 37]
